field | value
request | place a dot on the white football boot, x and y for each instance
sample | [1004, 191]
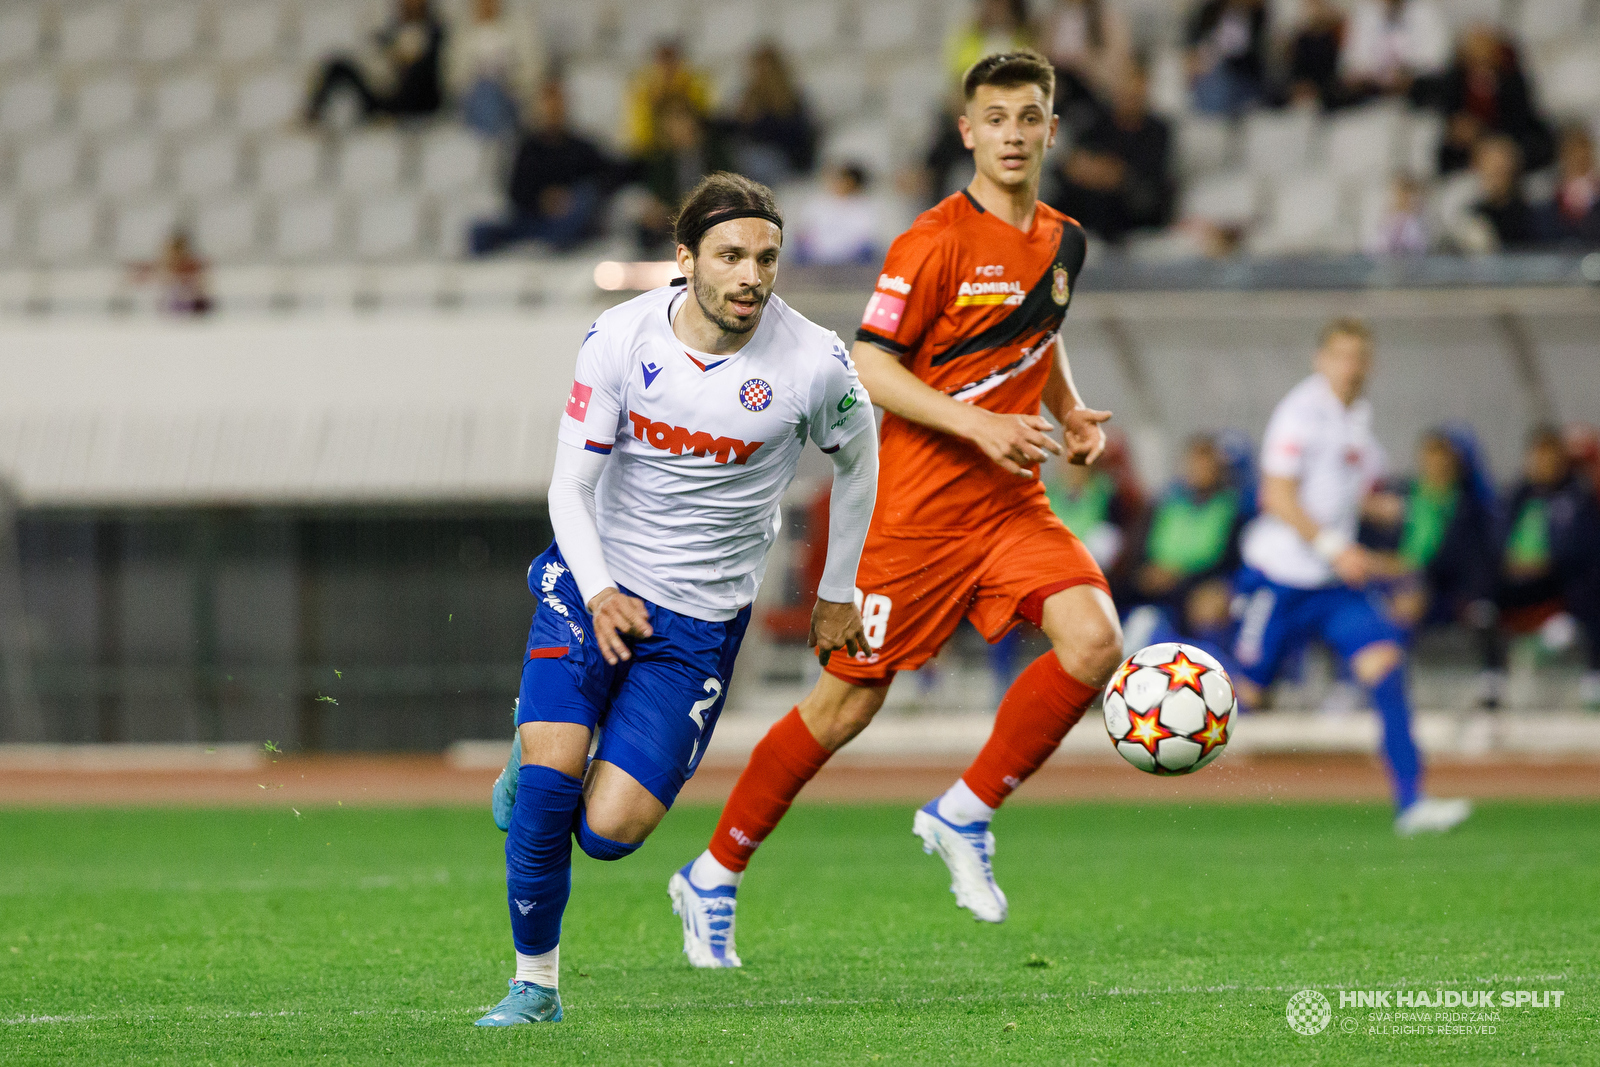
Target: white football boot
[1428, 815]
[966, 850]
[707, 916]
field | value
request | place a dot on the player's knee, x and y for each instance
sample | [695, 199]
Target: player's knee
[1091, 651]
[1376, 662]
[598, 846]
[836, 713]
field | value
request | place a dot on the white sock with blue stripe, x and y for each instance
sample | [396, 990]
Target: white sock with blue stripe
[960, 806]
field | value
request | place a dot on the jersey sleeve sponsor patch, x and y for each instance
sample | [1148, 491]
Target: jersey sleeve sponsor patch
[578, 400]
[883, 314]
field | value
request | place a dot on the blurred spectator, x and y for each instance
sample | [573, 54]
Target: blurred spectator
[839, 225]
[1088, 43]
[1402, 228]
[1496, 216]
[1101, 504]
[1550, 556]
[492, 65]
[1227, 42]
[687, 151]
[399, 75]
[1192, 539]
[1313, 76]
[1115, 179]
[1447, 543]
[1484, 92]
[1572, 216]
[181, 276]
[996, 26]
[1391, 44]
[773, 137]
[557, 188]
[665, 79]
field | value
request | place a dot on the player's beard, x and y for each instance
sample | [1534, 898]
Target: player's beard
[705, 295]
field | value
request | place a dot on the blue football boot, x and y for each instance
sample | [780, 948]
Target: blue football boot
[526, 1003]
[504, 797]
[966, 851]
[707, 916]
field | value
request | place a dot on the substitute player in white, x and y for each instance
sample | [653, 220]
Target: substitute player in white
[1305, 575]
[689, 411]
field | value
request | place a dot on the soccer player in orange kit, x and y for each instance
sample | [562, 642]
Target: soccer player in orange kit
[960, 344]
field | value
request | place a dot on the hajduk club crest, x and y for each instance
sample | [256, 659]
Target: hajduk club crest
[1060, 289]
[755, 394]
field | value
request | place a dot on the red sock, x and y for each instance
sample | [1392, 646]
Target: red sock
[785, 760]
[1035, 714]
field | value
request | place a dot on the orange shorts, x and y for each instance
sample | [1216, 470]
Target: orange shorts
[913, 589]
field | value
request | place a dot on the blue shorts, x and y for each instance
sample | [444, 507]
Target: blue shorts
[1279, 620]
[656, 711]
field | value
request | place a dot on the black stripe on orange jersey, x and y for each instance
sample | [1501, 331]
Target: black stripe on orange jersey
[1038, 309]
[892, 347]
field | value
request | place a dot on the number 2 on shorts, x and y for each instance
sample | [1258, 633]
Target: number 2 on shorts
[698, 712]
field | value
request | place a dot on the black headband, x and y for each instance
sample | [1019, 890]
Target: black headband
[692, 238]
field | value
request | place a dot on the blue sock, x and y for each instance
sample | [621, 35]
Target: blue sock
[539, 856]
[601, 848]
[1405, 769]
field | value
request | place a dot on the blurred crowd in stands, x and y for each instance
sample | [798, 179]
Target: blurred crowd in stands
[1114, 169]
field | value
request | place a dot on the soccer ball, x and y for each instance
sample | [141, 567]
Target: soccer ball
[1169, 709]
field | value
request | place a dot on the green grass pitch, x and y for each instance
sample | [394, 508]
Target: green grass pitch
[1138, 935]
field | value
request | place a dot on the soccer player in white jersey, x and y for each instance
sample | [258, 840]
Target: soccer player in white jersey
[688, 412]
[1305, 576]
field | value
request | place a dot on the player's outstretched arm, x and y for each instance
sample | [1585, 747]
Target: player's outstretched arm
[836, 621]
[1015, 442]
[1080, 424]
[572, 487]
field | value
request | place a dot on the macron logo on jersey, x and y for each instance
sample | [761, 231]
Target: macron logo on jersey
[578, 400]
[677, 440]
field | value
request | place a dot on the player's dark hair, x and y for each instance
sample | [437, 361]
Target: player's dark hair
[717, 196]
[1345, 326]
[1007, 70]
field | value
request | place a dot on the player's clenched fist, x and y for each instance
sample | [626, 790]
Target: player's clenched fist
[836, 626]
[1016, 442]
[617, 617]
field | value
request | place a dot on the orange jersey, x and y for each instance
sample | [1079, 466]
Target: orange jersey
[972, 306]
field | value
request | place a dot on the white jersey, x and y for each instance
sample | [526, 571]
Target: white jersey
[1330, 450]
[703, 446]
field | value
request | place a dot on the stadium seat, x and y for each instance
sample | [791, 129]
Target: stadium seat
[727, 29]
[1205, 145]
[1459, 14]
[1306, 214]
[1570, 84]
[306, 227]
[327, 29]
[646, 24]
[65, 231]
[267, 101]
[10, 229]
[227, 227]
[288, 164]
[455, 213]
[168, 31]
[388, 226]
[48, 166]
[185, 102]
[595, 93]
[573, 29]
[1365, 141]
[127, 166]
[451, 158]
[248, 31]
[1279, 142]
[1424, 132]
[140, 230]
[108, 104]
[21, 32]
[868, 143]
[1542, 21]
[835, 89]
[890, 24]
[29, 103]
[92, 34]
[208, 165]
[809, 25]
[370, 161]
[912, 95]
[1231, 199]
